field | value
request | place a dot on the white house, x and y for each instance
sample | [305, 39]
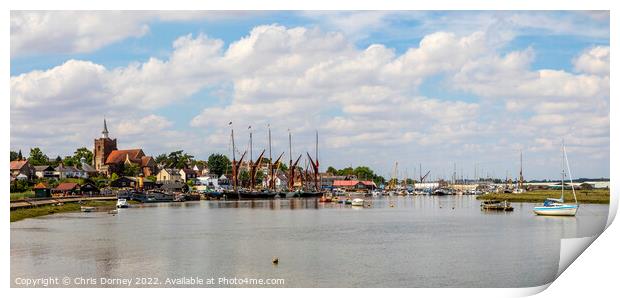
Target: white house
[187, 174]
[63, 172]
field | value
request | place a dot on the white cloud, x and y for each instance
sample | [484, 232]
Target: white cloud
[593, 61]
[363, 100]
[66, 32]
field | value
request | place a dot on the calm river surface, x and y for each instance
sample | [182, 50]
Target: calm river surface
[420, 242]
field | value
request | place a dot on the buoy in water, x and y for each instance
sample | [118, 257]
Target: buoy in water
[275, 261]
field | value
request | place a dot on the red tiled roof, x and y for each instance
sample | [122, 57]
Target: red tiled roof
[18, 164]
[344, 183]
[66, 186]
[147, 161]
[119, 156]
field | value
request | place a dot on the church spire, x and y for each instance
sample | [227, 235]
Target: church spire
[104, 133]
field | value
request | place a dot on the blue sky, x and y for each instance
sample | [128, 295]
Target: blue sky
[466, 87]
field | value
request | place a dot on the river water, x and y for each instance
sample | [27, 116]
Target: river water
[420, 242]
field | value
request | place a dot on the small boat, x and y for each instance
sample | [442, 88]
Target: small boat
[357, 202]
[122, 203]
[348, 201]
[87, 209]
[310, 194]
[440, 192]
[376, 193]
[257, 195]
[557, 207]
[496, 205]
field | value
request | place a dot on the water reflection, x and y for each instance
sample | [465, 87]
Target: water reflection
[419, 242]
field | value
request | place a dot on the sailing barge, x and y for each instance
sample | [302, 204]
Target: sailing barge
[270, 192]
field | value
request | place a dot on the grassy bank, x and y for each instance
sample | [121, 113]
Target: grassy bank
[21, 195]
[23, 213]
[596, 196]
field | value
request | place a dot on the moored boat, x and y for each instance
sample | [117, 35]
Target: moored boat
[87, 209]
[357, 202]
[496, 205]
[557, 207]
[122, 203]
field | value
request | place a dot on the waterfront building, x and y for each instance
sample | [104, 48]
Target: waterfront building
[41, 190]
[187, 175]
[210, 181]
[21, 170]
[327, 180]
[354, 185]
[66, 188]
[45, 172]
[133, 182]
[63, 172]
[168, 174]
[175, 186]
[201, 170]
[107, 159]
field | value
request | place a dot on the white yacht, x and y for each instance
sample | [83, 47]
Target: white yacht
[557, 207]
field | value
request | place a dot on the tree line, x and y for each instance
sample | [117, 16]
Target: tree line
[36, 157]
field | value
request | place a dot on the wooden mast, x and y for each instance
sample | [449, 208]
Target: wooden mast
[315, 162]
[235, 165]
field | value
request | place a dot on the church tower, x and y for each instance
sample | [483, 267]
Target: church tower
[103, 147]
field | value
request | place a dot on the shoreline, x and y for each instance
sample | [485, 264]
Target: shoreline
[23, 213]
[597, 196]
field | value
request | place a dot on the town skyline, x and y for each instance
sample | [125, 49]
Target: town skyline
[469, 88]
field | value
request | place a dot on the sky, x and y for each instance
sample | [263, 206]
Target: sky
[469, 90]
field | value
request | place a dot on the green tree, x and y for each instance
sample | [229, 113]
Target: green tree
[69, 161]
[113, 177]
[331, 170]
[13, 155]
[178, 160]
[218, 164]
[283, 167]
[83, 153]
[200, 163]
[244, 177]
[259, 176]
[19, 155]
[56, 161]
[363, 173]
[19, 186]
[131, 169]
[161, 159]
[378, 180]
[37, 158]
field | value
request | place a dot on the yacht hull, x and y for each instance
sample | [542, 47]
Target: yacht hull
[566, 210]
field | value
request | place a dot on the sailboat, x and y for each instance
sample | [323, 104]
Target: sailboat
[316, 192]
[557, 207]
[254, 165]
